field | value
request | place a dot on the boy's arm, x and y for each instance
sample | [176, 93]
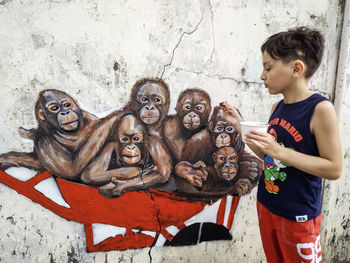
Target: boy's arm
[324, 125]
[256, 150]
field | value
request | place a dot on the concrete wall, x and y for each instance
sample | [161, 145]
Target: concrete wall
[96, 50]
[336, 209]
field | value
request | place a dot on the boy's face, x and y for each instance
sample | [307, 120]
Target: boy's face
[277, 76]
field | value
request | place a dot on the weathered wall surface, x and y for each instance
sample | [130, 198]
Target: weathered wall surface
[336, 223]
[96, 50]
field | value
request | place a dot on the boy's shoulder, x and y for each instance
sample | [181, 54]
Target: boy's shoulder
[324, 107]
[324, 116]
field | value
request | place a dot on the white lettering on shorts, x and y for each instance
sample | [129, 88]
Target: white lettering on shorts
[311, 251]
[301, 218]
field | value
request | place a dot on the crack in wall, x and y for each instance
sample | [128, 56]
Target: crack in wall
[213, 33]
[157, 214]
[160, 227]
[178, 43]
[220, 77]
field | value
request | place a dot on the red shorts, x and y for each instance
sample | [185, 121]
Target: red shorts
[286, 241]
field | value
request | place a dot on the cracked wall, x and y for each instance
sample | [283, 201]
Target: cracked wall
[96, 50]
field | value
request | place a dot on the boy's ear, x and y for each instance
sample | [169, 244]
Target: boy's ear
[299, 68]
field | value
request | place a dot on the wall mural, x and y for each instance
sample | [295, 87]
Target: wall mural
[137, 177]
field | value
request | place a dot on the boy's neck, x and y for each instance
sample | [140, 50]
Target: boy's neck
[297, 92]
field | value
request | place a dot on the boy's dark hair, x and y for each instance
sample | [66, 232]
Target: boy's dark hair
[297, 43]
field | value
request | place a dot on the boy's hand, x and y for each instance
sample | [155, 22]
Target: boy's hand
[265, 142]
[232, 115]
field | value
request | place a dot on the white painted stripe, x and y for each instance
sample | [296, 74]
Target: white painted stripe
[102, 231]
[207, 215]
[160, 241]
[149, 233]
[145, 232]
[49, 188]
[21, 173]
[173, 230]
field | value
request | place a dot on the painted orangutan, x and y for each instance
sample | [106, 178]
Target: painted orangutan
[131, 161]
[66, 140]
[192, 113]
[223, 178]
[150, 100]
[223, 130]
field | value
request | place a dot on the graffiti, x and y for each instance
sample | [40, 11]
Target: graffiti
[137, 177]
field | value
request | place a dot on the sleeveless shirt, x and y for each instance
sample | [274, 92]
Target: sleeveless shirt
[283, 189]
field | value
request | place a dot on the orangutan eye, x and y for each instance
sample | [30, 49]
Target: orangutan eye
[219, 128]
[143, 99]
[136, 138]
[67, 104]
[125, 139]
[157, 100]
[232, 158]
[188, 107]
[222, 158]
[229, 129]
[199, 107]
[53, 108]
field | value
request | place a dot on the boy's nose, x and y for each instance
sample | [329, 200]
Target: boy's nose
[262, 76]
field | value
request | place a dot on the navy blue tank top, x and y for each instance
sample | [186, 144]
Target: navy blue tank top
[283, 189]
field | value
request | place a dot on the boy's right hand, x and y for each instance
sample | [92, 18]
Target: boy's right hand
[232, 115]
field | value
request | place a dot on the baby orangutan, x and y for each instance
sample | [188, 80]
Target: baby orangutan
[221, 179]
[131, 161]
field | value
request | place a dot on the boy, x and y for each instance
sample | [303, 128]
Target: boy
[302, 146]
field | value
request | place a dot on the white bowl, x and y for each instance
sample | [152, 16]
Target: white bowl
[247, 126]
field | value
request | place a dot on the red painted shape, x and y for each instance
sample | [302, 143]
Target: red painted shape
[131, 210]
[166, 234]
[221, 213]
[234, 204]
[27, 189]
[129, 241]
[173, 209]
[150, 211]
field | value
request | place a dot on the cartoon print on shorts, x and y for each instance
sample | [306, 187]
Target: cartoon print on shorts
[272, 169]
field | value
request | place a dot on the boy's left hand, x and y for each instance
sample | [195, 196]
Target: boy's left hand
[265, 142]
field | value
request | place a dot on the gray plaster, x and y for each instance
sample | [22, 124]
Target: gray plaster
[96, 50]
